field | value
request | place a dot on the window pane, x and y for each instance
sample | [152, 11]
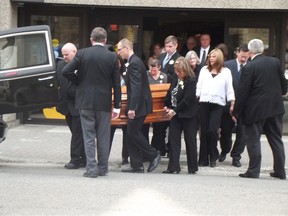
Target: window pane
[23, 51]
[117, 32]
[64, 29]
[238, 36]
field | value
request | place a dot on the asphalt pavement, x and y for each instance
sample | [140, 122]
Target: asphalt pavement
[33, 181]
[50, 144]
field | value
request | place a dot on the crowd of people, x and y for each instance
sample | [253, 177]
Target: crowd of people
[209, 95]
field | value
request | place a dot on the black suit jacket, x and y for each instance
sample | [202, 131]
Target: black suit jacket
[232, 65]
[169, 67]
[198, 49]
[262, 84]
[97, 72]
[187, 103]
[66, 92]
[139, 96]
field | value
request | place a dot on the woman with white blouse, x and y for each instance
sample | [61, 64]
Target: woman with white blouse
[214, 88]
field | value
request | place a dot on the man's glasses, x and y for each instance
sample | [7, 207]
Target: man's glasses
[119, 49]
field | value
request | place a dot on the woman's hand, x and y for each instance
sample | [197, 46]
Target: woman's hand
[170, 113]
[131, 114]
[232, 106]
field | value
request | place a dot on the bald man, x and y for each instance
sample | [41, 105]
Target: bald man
[66, 106]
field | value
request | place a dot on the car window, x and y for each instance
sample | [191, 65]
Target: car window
[21, 52]
[34, 51]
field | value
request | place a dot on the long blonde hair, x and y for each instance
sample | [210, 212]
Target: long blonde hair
[219, 63]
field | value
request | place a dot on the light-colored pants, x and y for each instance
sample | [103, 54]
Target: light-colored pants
[96, 124]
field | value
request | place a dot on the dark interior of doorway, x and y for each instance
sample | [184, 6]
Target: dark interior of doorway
[163, 27]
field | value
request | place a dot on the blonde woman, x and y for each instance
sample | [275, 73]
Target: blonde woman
[181, 106]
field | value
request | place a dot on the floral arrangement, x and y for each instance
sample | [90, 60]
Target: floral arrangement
[126, 65]
[161, 78]
[181, 84]
[171, 62]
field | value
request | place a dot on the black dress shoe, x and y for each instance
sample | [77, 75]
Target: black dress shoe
[213, 164]
[124, 161]
[103, 173]
[203, 164]
[236, 163]
[275, 175]
[154, 163]
[133, 170]
[192, 172]
[247, 175]
[72, 166]
[82, 165]
[163, 153]
[90, 175]
[222, 157]
[170, 171]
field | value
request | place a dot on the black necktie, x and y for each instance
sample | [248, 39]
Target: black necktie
[240, 69]
[203, 58]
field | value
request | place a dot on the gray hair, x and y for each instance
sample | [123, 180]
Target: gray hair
[256, 46]
[190, 53]
[99, 35]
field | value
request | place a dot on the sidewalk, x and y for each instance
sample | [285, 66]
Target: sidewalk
[50, 144]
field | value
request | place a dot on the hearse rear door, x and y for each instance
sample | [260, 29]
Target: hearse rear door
[27, 70]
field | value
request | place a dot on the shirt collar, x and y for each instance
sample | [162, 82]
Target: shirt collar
[255, 56]
[206, 49]
[170, 55]
[97, 43]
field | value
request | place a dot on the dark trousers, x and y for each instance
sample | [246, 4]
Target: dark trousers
[227, 125]
[239, 144]
[77, 152]
[189, 126]
[145, 130]
[210, 121]
[272, 128]
[124, 143]
[138, 145]
[158, 138]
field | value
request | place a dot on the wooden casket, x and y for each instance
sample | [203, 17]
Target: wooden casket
[159, 92]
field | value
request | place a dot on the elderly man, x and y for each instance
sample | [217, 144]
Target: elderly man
[66, 106]
[259, 104]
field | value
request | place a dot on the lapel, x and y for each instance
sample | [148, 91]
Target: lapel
[234, 71]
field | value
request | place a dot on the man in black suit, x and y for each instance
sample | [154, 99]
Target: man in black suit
[191, 43]
[204, 49]
[168, 58]
[227, 124]
[259, 103]
[66, 106]
[139, 105]
[97, 73]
